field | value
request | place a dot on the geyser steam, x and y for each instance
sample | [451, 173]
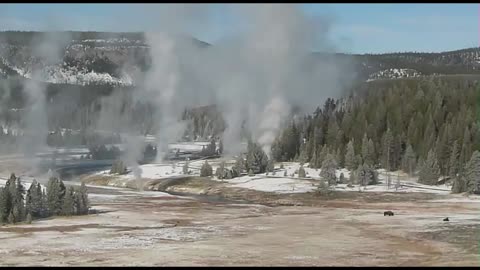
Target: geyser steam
[256, 76]
[49, 48]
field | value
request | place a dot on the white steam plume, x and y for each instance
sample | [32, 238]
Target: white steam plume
[48, 47]
[172, 82]
[255, 76]
[263, 72]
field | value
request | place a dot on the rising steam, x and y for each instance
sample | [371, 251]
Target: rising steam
[260, 74]
[255, 76]
[49, 48]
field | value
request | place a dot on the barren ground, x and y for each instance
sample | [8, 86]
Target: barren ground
[157, 229]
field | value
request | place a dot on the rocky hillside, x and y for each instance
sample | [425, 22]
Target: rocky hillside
[80, 58]
[406, 65]
[466, 61]
[85, 58]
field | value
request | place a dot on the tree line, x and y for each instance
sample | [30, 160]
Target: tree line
[426, 127]
[255, 161]
[20, 205]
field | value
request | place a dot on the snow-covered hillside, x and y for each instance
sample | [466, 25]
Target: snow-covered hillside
[112, 58]
[72, 75]
[102, 61]
[64, 74]
[394, 73]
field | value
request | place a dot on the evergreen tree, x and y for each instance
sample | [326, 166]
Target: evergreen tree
[472, 173]
[3, 205]
[429, 135]
[339, 157]
[211, 149]
[361, 175]
[466, 147]
[19, 202]
[387, 150]
[257, 160]
[301, 172]
[342, 178]
[17, 216]
[240, 164]
[315, 160]
[270, 166]
[220, 173]
[55, 195]
[113, 169]
[371, 159]
[358, 160]
[82, 204]
[29, 218]
[303, 156]
[235, 172]
[11, 218]
[352, 179]
[350, 159]
[442, 148]
[28, 197]
[332, 133]
[323, 154]
[118, 167]
[323, 187]
[290, 142]
[367, 153]
[44, 204]
[220, 147]
[35, 191]
[453, 162]
[68, 202]
[430, 171]
[328, 172]
[409, 160]
[229, 174]
[7, 198]
[366, 175]
[206, 170]
[12, 197]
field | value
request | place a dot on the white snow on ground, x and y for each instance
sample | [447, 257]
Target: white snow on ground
[279, 183]
[61, 150]
[195, 146]
[153, 171]
[166, 170]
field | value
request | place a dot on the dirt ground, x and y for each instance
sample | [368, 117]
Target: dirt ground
[157, 229]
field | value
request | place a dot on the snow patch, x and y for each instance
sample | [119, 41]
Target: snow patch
[275, 184]
[394, 73]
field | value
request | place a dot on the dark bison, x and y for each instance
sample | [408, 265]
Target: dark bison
[388, 213]
[446, 219]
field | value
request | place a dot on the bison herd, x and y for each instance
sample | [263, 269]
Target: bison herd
[390, 213]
